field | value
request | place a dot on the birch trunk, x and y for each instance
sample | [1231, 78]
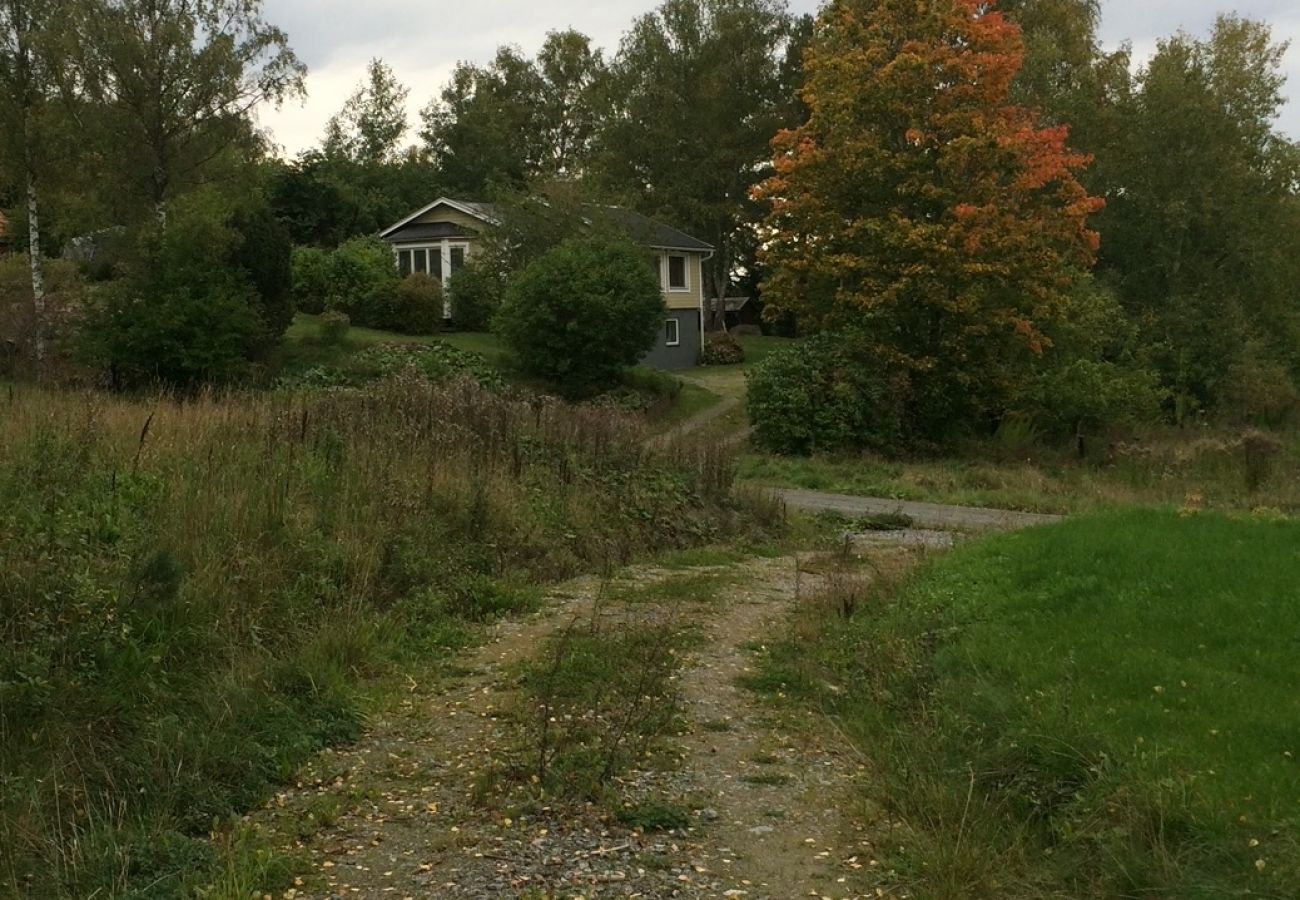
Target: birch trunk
[38, 272]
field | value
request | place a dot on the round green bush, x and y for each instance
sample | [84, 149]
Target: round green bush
[418, 305]
[581, 314]
[823, 395]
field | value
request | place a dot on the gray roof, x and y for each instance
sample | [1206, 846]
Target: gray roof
[434, 231]
[642, 229]
[650, 233]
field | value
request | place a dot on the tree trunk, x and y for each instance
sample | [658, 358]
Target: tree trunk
[38, 272]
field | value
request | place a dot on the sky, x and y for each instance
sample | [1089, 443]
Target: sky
[422, 43]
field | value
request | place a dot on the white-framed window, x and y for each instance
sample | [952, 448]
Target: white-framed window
[676, 272]
[441, 260]
[672, 333]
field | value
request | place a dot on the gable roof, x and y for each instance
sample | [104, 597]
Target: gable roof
[642, 229]
[480, 211]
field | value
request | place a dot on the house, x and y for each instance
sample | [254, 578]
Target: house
[440, 237]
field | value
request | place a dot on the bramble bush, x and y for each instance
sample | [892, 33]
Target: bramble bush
[722, 349]
[334, 327]
[580, 315]
[311, 279]
[823, 395]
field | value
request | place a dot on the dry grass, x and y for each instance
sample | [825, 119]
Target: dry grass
[191, 590]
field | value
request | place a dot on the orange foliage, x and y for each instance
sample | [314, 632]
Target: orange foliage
[918, 201]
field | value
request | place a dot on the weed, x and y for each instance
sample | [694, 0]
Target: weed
[654, 815]
[768, 779]
[194, 594]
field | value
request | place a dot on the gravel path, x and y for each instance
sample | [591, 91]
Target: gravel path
[402, 814]
[923, 515]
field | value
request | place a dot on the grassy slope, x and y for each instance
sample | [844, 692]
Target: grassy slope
[1104, 708]
[702, 389]
[192, 593]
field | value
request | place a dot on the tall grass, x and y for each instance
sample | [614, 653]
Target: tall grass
[191, 590]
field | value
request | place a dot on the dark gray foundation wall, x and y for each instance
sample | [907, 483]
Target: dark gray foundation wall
[687, 352]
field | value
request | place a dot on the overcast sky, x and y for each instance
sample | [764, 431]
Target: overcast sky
[422, 43]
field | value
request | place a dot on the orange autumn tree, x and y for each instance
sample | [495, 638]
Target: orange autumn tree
[922, 211]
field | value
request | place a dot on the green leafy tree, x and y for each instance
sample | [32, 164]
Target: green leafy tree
[1202, 226]
[373, 120]
[695, 94]
[176, 81]
[581, 314]
[516, 119]
[184, 313]
[483, 129]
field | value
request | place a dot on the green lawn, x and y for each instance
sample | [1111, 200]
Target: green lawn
[1105, 708]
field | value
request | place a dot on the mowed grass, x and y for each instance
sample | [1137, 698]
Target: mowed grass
[302, 349]
[1105, 708]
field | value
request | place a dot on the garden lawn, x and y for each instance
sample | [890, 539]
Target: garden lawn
[1105, 708]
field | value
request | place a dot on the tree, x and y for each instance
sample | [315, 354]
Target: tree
[921, 208]
[1203, 221]
[483, 130]
[516, 119]
[31, 56]
[695, 94]
[583, 313]
[178, 80]
[572, 75]
[372, 121]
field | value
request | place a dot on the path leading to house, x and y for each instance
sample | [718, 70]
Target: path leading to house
[402, 812]
[922, 515]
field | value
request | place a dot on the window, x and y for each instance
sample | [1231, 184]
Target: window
[672, 334]
[677, 277]
[430, 259]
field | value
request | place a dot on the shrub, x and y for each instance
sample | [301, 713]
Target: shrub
[311, 278]
[821, 394]
[65, 293]
[581, 314]
[361, 278]
[419, 305]
[334, 327]
[1258, 393]
[722, 349]
[741, 331]
[182, 315]
[263, 252]
[476, 294]
[1087, 395]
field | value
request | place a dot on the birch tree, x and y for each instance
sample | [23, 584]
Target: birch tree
[29, 58]
[180, 80]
